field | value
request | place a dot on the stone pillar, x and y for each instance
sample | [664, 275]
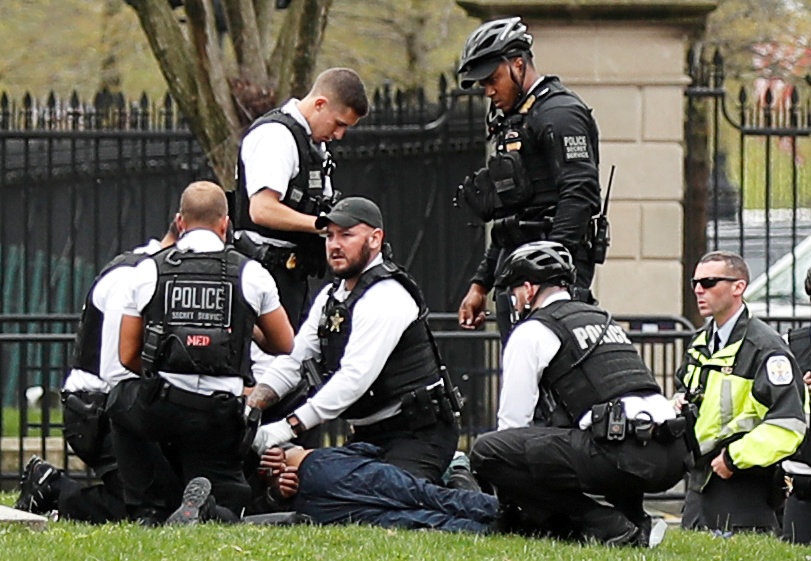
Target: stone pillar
[626, 59]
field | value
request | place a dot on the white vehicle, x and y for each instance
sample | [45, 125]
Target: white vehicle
[786, 294]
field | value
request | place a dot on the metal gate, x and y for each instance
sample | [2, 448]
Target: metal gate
[748, 182]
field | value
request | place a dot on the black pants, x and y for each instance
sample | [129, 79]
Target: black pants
[548, 471]
[87, 431]
[797, 520]
[424, 453]
[744, 502]
[153, 432]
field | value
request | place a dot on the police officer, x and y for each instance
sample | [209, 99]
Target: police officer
[593, 421]
[283, 178]
[543, 180]
[369, 334]
[797, 511]
[84, 396]
[187, 323]
[750, 398]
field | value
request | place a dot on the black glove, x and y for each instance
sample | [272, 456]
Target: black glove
[505, 233]
[251, 417]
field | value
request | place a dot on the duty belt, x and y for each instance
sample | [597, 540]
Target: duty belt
[644, 430]
[193, 400]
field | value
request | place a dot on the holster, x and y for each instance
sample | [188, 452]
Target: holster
[247, 247]
[84, 424]
[511, 231]
[152, 350]
[252, 421]
[689, 412]
[419, 409]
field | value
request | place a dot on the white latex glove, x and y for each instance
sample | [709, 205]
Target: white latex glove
[272, 435]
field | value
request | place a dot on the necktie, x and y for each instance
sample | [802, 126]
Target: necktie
[716, 343]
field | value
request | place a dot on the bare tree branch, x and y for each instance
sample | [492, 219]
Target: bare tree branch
[218, 95]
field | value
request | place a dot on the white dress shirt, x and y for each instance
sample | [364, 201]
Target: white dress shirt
[723, 331]
[258, 288]
[379, 319]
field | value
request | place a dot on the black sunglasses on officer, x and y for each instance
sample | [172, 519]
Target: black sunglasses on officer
[709, 282]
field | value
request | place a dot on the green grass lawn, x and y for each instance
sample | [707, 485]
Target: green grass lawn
[11, 421]
[65, 541]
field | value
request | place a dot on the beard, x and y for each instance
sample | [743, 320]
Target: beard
[355, 267]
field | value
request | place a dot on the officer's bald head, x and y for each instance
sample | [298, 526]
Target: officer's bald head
[203, 204]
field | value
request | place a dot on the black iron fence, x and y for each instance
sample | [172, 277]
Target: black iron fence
[749, 182]
[82, 181]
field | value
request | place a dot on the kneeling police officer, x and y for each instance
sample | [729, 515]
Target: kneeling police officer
[187, 324]
[600, 423]
[368, 332]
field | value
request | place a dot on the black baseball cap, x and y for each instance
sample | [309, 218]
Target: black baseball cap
[351, 211]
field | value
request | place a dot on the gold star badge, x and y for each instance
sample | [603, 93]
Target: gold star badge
[335, 321]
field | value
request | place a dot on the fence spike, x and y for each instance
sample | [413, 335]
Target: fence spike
[74, 111]
[443, 93]
[4, 112]
[717, 69]
[168, 111]
[143, 110]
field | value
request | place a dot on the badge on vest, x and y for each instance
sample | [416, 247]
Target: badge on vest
[779, 371]
[512, 141]
[335, 321]
[198, 303]
[575, 147]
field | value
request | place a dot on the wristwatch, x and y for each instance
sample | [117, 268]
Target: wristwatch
[295, 424]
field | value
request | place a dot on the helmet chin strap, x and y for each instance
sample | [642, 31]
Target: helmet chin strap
[519, 82]
[529, 305]
[493, 117]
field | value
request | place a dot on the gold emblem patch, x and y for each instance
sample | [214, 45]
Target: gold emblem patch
[335, 321]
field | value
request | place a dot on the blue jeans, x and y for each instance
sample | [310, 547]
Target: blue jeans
[352, 484]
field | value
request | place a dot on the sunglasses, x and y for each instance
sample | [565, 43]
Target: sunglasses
[709, 282]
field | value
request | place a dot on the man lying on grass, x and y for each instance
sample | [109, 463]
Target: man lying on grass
[351, 484]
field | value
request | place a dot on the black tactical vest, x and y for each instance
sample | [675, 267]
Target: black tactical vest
[87, 346]
[205, 321]
[304, 191]
[411, 365]
[596, 362]
[537, 148]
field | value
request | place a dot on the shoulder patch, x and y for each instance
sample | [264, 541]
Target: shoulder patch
[778, 368]
[575, 147]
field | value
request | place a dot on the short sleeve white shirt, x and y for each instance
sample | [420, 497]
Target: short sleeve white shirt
[258, 288]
